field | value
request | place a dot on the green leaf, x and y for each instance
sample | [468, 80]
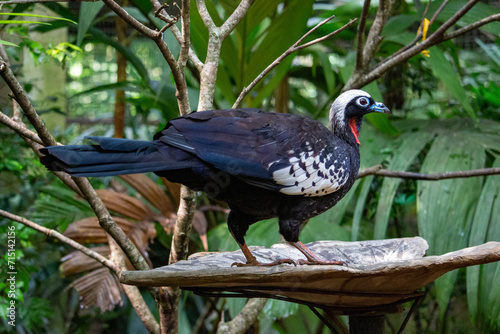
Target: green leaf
[88, 12]
[7, 43]
[403, 156]
[483, 297]
[278, 309]
[98, 36]
[360, 205]
[21, 22]
[125, 85]
[41, 16]
[280, 36]
[444, 213]
[327, 70]
[268, 87]
[443, 70]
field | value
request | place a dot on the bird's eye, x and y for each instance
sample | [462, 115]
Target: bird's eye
[362, 102]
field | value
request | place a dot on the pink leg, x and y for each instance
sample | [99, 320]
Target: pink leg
[252, 261]
[311, 257]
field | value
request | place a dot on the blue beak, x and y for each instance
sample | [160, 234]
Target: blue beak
[379, 107]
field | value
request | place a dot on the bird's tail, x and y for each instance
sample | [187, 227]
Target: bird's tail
[112, 156]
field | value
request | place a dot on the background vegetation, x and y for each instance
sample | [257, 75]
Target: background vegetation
[446, 113]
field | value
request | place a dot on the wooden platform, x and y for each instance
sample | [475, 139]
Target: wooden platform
[379, 276]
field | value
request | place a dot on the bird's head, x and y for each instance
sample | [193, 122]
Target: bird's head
[348, 110]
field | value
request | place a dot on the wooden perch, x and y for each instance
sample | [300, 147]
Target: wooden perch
[380, 274]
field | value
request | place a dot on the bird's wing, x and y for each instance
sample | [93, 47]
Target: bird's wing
[287, 153]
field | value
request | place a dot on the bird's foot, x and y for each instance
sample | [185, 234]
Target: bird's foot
[255, 263]
[321, 262]
[313, 259]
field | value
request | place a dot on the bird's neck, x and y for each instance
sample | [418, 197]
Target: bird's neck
[349, 131]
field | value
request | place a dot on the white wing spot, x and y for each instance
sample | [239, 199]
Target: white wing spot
[308, 176]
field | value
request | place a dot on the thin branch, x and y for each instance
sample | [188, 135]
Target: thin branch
[198, 64]
[20, 96]
[235, 18]
[205, 16]
[419, 30]
[150, 33]
[295, 47]
[377, 170]
[438, 11]
[361, 34]
[132, 292]
[52, 233]
[86, 189]
[177, 33]
[369, 171]
[433, 39]
[471, 27]
[186, 37]
[374, 35]
[242, 322]
[20, 128]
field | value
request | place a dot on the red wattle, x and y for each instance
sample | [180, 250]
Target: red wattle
[354, 129]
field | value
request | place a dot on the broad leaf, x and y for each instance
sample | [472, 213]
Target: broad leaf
[88, 12]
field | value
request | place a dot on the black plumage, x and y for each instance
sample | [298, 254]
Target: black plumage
[262, 164]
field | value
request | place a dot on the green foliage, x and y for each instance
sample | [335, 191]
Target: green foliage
[445, 118]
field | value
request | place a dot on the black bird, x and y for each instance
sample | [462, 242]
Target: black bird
[261, 164]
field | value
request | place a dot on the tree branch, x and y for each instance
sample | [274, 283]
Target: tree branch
[52, 233]
[242, 322]
[362, 79]
[235, 18]
[471, 27]
[361, 34]
[205, 16]
[86, 189]
[186, 37]
[295, 47]
[150, 33]
[20, 128]
[373, 40]
[377, 170]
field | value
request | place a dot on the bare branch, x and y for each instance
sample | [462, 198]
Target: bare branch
[369, 171]
[242, 322]
[86, 189]
[159, 8]
[377, 170]
[471, 27]
[235, 18]
[435, 38]
[373, 40]
[295, 47]
[20, 128]
[419, 30]
[205, 16]
[186, 37]
[198, 64]
[20, 96]
[438, 11]
[150, 33]
[52, 233]
[361, 34]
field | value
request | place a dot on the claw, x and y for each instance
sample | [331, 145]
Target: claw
[321, 262]
[256, 263]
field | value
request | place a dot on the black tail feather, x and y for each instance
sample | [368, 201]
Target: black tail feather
[113, 156]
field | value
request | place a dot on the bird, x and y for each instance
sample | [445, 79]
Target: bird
[262, 164]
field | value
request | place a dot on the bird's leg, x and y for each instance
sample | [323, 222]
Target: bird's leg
[238, 224]
[252, 261]
[311, 257]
